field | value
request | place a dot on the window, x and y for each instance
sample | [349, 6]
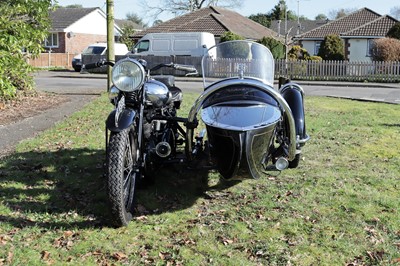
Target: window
[51, 41]
[317, 46]
[370, 46]
[142, 46]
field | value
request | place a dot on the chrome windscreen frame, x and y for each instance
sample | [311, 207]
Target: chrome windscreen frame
[245, 82]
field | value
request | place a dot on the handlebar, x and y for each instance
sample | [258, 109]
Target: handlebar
[187, 68]
[191, 70]
[98, 64]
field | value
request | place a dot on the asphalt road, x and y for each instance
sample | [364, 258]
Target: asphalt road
[69, 82]
[82, 88]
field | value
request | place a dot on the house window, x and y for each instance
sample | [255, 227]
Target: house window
[370, 46]
[317, 46]
[51, 41]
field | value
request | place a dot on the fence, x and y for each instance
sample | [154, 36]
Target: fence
[46, 60]
[375, 71]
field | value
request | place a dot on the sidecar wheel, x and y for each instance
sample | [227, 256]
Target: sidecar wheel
[122, 175]
[295, 162]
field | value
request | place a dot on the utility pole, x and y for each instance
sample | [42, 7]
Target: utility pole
[110, 39]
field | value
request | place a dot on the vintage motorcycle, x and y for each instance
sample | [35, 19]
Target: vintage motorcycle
[250, 127]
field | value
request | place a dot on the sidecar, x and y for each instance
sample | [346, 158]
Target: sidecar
[251, 127]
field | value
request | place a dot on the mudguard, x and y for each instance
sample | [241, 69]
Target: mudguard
[125, 119]
[294, 98]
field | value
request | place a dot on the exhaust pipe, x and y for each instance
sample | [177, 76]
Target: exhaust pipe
[282, 163]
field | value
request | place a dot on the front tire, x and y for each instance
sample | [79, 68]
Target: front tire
[122, 174]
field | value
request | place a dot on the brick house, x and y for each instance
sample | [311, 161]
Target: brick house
[358, 30]
[73, 29]
[215, 20]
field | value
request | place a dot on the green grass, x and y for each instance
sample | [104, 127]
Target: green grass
[340, 206]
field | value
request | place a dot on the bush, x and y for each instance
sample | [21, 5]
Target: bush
[230, 36]
[276, 47]
[332, 48]
[24, 24]
[298, 53]
[394, 31]
[386, 49]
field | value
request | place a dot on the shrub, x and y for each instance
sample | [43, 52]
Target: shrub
[24, 24]
[230, 36]
[298, 53]
[394, 31]
[276, 47]
[332, 48]
[386, 49]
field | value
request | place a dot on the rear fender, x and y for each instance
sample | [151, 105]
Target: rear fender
[294, 96]
[125, 119]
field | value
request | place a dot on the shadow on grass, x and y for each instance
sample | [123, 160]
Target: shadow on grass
[391, 125]
[66, 189]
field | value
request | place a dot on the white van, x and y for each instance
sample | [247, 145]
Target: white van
[99, 48]
[174, 43]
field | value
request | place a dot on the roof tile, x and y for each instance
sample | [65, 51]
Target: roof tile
[62, 17]
[215, 20]
[344, 24]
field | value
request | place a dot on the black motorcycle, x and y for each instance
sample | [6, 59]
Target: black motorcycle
[250, 127]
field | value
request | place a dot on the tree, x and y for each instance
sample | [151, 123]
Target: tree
[386, 49]
[262, 19]
[339, 13]
[277, 13]
[276, 47]
[332, 48]
[23, 26]
[179, 7]
[394, 31]
[321, 17]
[395, 12]
[127, 31]
[135, 19]
[74, 6]
[230, 36]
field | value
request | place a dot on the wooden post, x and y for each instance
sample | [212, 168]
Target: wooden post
[110, 39]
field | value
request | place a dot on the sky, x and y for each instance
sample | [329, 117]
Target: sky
[307, 8]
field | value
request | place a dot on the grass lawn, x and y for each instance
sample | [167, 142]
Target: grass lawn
[341, 206]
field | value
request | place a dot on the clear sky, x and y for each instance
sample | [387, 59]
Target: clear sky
[307, 8]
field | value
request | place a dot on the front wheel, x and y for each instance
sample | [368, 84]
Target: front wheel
[122, 174]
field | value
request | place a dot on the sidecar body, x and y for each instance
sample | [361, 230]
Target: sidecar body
[250, 125]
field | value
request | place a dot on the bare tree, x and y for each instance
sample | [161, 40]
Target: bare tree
[179, 7]
[395, 12]
[338, 13]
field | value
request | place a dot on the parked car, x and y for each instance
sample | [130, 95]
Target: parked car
[174, 43]
[100, 49]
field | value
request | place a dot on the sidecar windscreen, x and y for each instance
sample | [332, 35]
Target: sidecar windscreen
[238, 59]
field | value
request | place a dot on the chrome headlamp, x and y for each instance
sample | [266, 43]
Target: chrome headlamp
[128, 75]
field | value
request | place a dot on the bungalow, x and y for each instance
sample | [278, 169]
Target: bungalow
[73, 29]
[358, 31]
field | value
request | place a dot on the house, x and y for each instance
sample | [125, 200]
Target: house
[73, 29]
[358, 30]
[215, 20]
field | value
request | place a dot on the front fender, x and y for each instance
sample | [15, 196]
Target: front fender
[125, 119]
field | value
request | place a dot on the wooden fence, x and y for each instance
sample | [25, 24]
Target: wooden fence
[375, 71]
[48, 60]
